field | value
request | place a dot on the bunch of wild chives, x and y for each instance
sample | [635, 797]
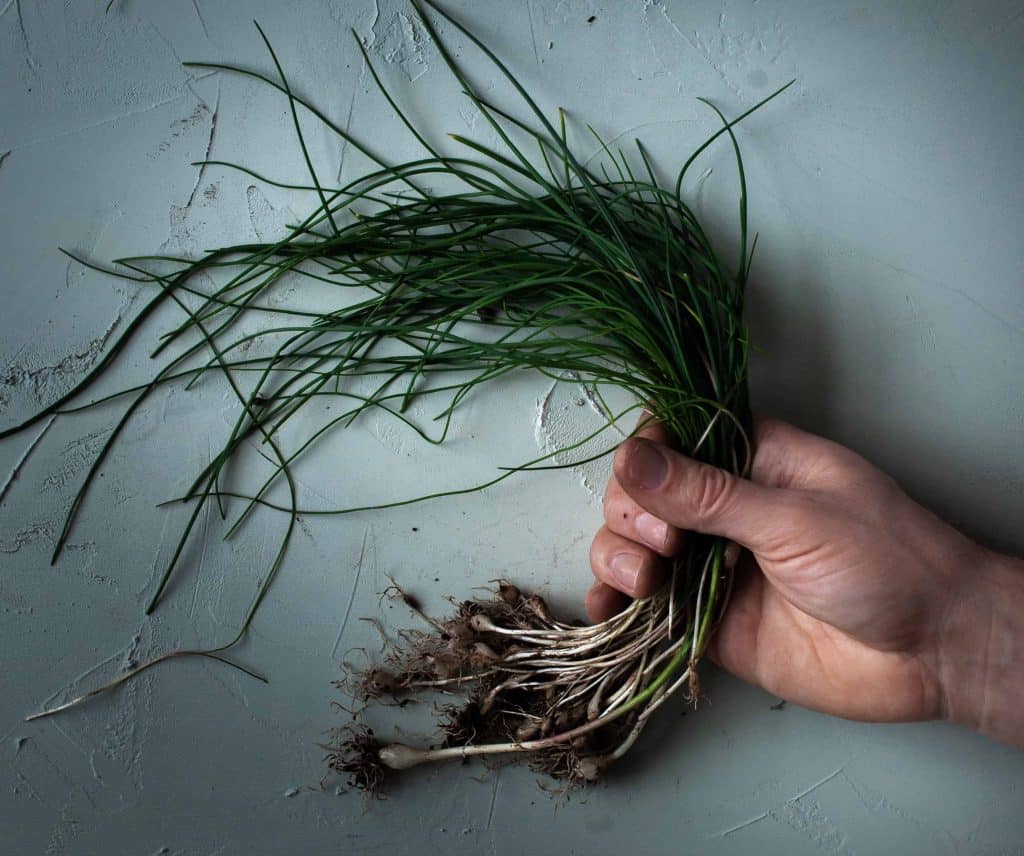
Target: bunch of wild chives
[537, 262]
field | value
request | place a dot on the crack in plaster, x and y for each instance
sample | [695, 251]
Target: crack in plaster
[202, 21]
[809, 819]
[209, 147]
[348, 121]
[533, 35]
[367, 535]
[29, 59]
[128, 114]
[29, 535]
[68, 369]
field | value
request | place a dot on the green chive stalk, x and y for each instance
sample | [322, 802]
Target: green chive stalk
[534, 262]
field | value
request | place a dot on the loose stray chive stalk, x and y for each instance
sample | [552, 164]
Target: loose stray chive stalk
[535, 261]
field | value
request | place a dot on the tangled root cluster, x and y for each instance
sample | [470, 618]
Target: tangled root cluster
[529, 685]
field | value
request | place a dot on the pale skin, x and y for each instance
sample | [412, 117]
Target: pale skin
[850, 599]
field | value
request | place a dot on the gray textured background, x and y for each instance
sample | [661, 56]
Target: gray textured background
[887, 187]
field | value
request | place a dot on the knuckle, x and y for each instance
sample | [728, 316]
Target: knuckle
[709, 491]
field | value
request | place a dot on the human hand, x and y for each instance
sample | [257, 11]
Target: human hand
[854, 600]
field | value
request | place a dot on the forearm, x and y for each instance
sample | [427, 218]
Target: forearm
[981, 655]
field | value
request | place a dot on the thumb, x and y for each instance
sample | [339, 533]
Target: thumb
[696, 496]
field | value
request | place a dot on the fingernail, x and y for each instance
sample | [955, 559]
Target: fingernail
[651, 529]
[647, 466]
[626, 568]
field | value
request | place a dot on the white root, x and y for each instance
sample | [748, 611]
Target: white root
[604, 666]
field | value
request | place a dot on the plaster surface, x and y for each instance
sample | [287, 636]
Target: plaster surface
[886, 301]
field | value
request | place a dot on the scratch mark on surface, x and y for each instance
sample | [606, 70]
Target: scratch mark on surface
[156, 105]
[154, 571]
[23, 781]
[348, 120]
[128, 725]
[981, 307]
[9, 732]
[209, 147]
[49, 771]
[189, 79]
[199, 15]
[599, 151]
[202, 560]
[533, 36]
[4, 156]
[352, 594]
[816, 785]
[306, 486]
[742, 825]
[875, 802]
[790, 802]
[929, 280]
[56, 724]
[29, 60]
[12, 476]
[695, 43]
[68, 692]
[494, 800]
[7, 7]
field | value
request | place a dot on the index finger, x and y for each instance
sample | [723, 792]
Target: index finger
[625, 517]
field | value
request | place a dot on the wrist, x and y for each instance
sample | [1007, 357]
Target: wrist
[980, 658]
